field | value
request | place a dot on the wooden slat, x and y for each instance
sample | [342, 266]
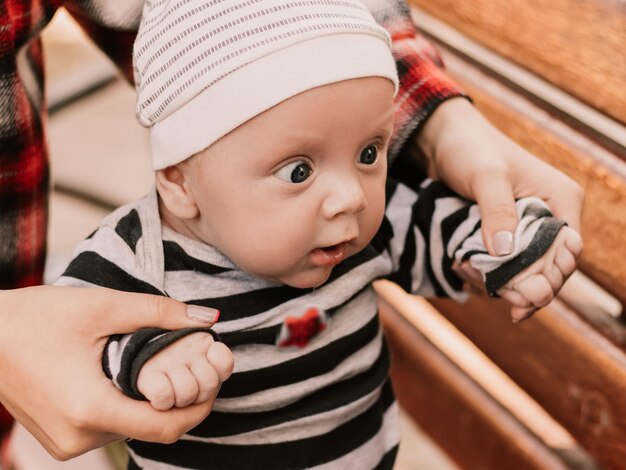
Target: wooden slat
[577, 375]
[578, 46]
[601, 174]
[474, 430]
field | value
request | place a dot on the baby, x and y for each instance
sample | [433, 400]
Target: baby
[270, 123]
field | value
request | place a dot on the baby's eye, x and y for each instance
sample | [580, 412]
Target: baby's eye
[295, 172]
[369, 155]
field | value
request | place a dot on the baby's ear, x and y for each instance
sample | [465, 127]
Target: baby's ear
[175, 192]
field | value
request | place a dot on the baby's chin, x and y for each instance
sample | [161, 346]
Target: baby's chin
[309, 284]
[310, 279]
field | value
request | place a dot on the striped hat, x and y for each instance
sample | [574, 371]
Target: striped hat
[204, 67]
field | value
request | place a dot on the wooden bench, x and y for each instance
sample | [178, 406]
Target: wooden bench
[550, 392]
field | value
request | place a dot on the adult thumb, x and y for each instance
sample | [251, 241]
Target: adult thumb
[126, 312]
[499, 219]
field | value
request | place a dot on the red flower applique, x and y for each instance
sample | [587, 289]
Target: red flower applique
[298, 331]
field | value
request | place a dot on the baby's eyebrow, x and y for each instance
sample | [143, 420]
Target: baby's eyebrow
[299, 142]
[386, 121]
[384, 129]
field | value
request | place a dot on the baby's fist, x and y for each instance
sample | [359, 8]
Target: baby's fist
[189, 371]
[537, 285]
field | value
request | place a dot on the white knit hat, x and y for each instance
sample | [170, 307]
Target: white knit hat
[204, 67]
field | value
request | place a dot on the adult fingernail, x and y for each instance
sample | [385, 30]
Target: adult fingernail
[203, 314]
[503, 243]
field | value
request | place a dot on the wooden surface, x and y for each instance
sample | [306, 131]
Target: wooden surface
[577, 375]
[602, 174]
[473, 429]
[576, 45]
[570, 369]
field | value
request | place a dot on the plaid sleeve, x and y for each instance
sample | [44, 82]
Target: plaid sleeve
[24, 175]
[423, 83]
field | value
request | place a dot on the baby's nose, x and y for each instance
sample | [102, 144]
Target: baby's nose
[346, 197]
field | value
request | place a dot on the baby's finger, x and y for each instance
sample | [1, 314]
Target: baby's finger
[573, 242]
[185, 386]
[515, 298]
[555, 277]
[518, 314]
[156, 387]
[565, 261]
[222, 360]
[537, 290]
[468, 274]
[207, 379]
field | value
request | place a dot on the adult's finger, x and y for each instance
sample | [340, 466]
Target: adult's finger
[139, 420]
[494, 195]
[127, 312]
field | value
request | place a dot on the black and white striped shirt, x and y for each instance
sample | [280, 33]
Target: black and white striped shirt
[330, 403]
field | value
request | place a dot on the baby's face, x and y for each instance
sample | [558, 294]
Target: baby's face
[301, 187]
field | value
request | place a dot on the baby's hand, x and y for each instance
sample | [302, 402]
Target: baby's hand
[537, 285]
[191, 370]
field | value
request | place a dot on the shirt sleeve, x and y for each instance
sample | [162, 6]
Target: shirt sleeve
[424, 84]
[429, 230]
[110, 257]
[125, 355]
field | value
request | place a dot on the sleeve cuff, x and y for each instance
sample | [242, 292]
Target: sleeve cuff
[536, 231]
[143, 346]
[423, 87]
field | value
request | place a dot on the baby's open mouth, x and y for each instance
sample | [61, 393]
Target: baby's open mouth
[329, 255]
[333, 250]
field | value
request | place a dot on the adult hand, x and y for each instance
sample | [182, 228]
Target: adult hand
[51, 345]
[479, 162]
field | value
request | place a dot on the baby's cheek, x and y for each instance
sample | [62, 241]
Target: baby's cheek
[267, 260]
[374, 218]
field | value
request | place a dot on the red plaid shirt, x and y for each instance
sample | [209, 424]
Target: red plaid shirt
[24, 175]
